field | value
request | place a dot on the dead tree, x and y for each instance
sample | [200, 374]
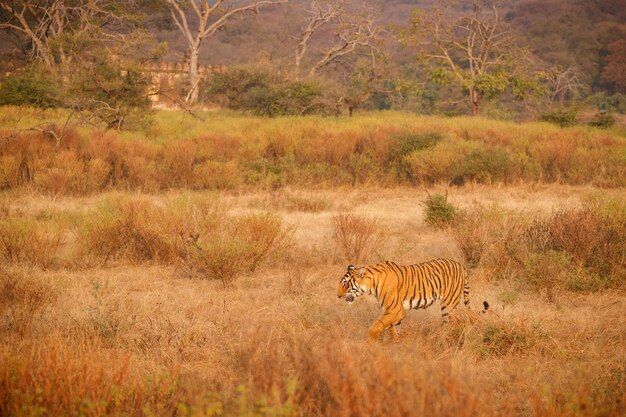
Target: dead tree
[209, 16]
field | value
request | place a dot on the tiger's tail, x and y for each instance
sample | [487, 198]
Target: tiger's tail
[466, 291]
[486, 307]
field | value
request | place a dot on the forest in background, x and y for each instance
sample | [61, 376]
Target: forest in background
[560, 61]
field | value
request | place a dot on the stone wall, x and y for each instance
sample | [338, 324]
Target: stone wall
[170, 79]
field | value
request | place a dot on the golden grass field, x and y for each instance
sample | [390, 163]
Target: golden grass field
[187, 302]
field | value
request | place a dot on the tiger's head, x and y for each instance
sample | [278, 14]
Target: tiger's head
[348, 287]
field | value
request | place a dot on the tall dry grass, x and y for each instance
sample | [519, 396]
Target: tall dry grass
[359, 239]
[244, 152]
[573, 249]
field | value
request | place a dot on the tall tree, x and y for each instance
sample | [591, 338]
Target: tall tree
[477, 50]
[614, 70]
[353, 32]
[563, 83]
[319, 14]
[209, 16]
[49, 24]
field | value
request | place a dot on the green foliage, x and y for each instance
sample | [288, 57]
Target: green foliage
[499, 339]
[483, 165]
[602, 120]
[439, 212]
[561, 117]
[262, 91]
[439, 75]
[614, 103]
[491, 85]
[29, 89]
[405, 144]
[408, 142]
[523, 86]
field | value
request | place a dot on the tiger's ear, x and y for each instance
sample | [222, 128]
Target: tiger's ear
[361, 272]
[351, 268]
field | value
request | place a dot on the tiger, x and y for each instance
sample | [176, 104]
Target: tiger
[400, 288]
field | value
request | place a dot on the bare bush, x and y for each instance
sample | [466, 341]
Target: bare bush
[357, 238]
[476, 231]
[25, 240]
[23, 299]
[235, 244]
[61, 378]
[128, 230]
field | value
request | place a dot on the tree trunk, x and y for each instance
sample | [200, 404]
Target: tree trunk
[194, 77]
[475, 101]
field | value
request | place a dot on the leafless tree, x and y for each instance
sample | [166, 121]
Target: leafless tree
[352, 34]
[46, 22]
[352, 31]
[473, 47]
[564, 83]
[320, 14]
[209, 16]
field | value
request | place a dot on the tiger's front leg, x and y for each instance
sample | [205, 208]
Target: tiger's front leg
[388, 320]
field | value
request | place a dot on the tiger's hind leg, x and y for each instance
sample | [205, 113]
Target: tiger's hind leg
[466, 299]
[395, 332]
[446, 307]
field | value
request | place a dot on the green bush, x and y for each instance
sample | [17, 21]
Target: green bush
[439, 212]
[560, 117]
[614, 103]
[483, 165]
[262, 91]
[408, 142]
[28, 89]
[602, 120]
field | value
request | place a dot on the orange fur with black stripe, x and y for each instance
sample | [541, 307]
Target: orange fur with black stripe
[400, 288]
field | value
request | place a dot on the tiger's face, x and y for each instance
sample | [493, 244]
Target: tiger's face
[348, 287]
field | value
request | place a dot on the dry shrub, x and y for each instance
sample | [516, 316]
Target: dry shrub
[333, 378]
[26, 240]
[575, 249]
[9, 171]
[129, 230]
[96, 175]
[22, 300]
[221, 148]
[499, 338]
[27, 151]
[58, 377]
[334, 149]
[178, 160]
[131, 164]
[579, 249]
[478, 230]
[380, 143]
[435, 164]
[235, 244]
[293, 201]
[555, 157]
[214, 175]
[67, 177]
[358, 238]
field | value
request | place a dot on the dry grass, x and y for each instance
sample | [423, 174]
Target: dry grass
[251, 153]
[359, 239]
[137, 337]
